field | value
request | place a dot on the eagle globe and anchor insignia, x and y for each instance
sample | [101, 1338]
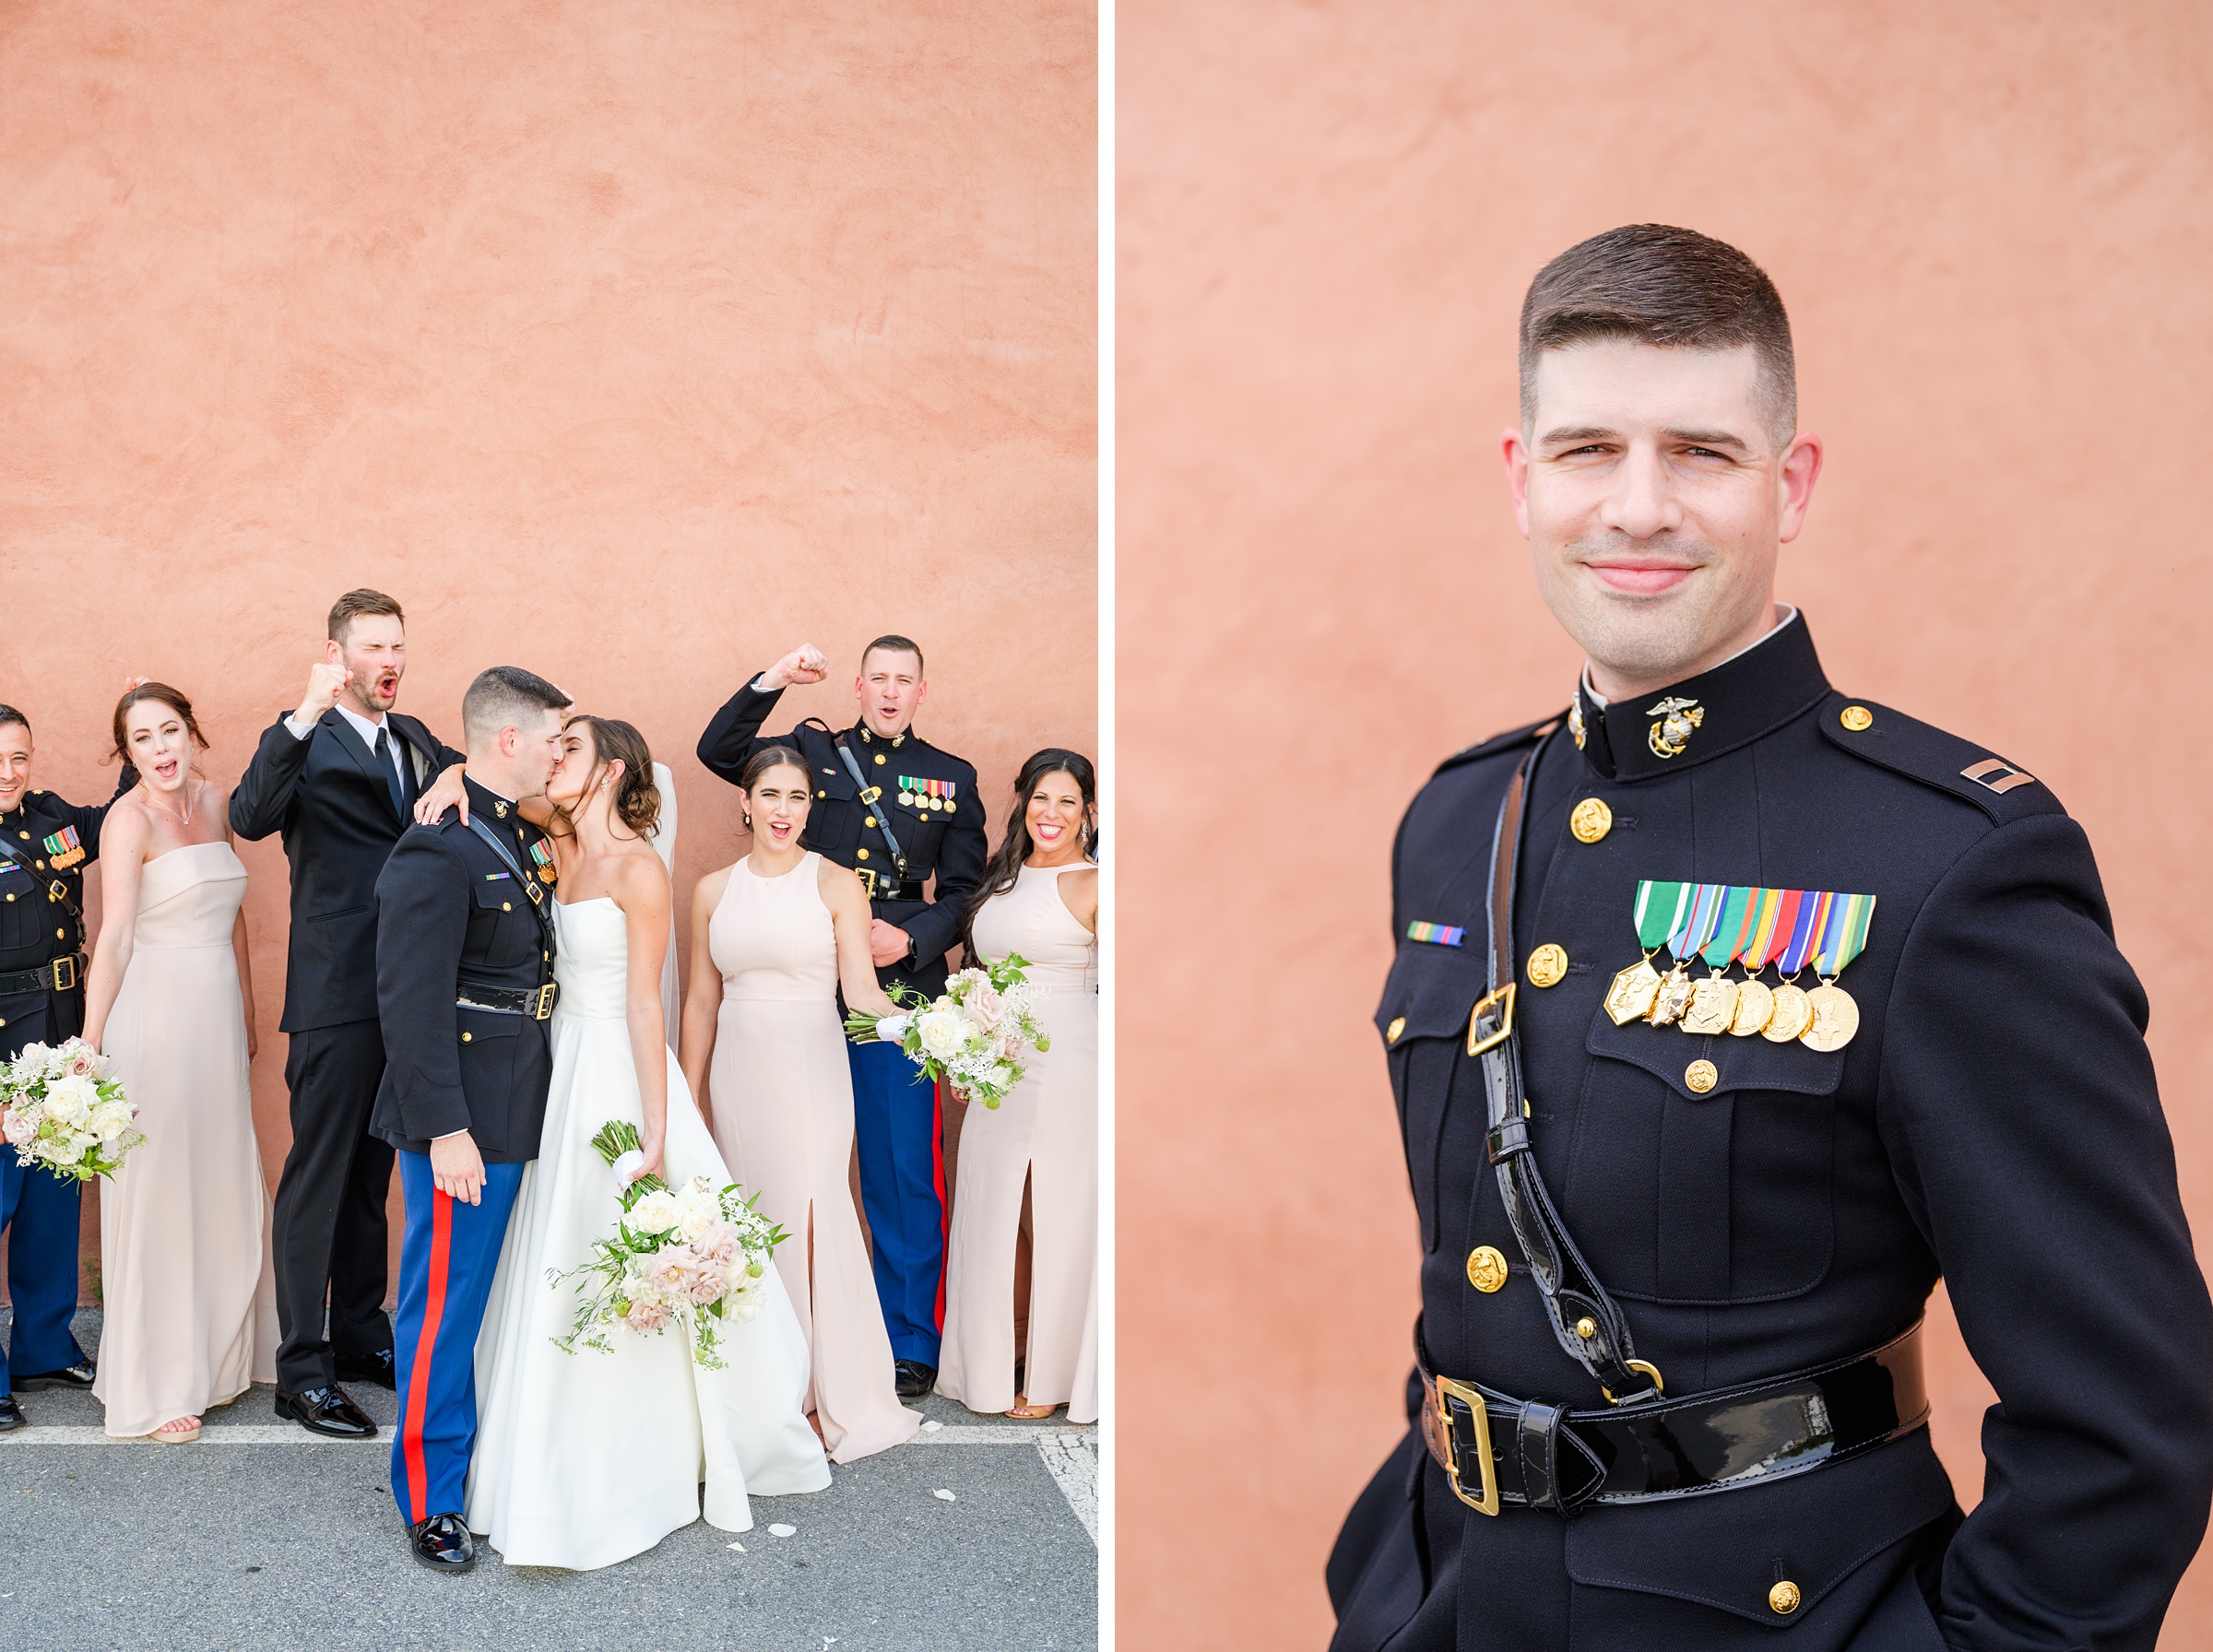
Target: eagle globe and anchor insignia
[1678, 718]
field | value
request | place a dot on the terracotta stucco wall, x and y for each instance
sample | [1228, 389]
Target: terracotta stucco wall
[632, 343]
[1989, 222]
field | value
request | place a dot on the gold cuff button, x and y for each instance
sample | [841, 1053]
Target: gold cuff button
[1487, 1269]
[1859, 719]
[1783, 1597]
[1390, 1036]
[1586, 1329]
[1547, 966]
[1700, 1077]
[1591, 820]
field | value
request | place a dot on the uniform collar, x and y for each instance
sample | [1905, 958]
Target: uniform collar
[869, 738]
[1745, 696]
[482, 799]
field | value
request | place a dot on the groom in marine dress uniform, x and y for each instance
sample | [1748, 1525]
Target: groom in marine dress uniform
[45, 846]
[1667, 1391]
[897, 810]
[464, 992]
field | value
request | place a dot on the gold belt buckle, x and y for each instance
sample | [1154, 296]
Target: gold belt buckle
[1503, 1001]
[59, 965]
[868, 879]
[545, 1003]
[1446, 1389]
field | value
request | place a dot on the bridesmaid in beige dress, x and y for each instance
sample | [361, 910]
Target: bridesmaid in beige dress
[190, 1301]
[1040, 899]
[764, 1050]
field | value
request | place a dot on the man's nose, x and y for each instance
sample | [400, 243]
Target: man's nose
[1642, 503]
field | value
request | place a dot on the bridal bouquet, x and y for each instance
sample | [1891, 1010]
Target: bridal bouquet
[974, 1035]
[61, 1110]
[689, 1253]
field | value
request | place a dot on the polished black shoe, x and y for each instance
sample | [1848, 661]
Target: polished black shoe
[79, 1376]
[913, 1378]
[11, 1415]
[326, 1411]
[368, 1368]
[443, 1544]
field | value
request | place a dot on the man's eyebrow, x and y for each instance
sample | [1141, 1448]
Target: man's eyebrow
[1580, 433]
[1708, 439]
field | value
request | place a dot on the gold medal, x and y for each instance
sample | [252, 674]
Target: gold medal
[1790, 1016]
[1673, 999]
[1755, 1003]
[1834, 1020]
[1631, 994]
[1712, 1006]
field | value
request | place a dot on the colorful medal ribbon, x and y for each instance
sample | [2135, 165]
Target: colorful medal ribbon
[1844, 935]
[1725, 923]
[1442, 935]
[1659, 906]
[1701, 915]
[64, 849]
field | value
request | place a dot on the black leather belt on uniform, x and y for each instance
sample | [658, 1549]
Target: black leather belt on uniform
[537, 1002]
[57, 975]
[882, 888]
[1522, 1451]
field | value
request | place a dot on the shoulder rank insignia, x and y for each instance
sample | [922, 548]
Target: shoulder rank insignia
[1678, 718]
[64, 849]
[1442, 935]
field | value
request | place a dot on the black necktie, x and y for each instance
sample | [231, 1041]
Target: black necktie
[383, 759]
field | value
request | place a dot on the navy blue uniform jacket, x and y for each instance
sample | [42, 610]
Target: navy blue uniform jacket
[1995, 1123]
[40, 923]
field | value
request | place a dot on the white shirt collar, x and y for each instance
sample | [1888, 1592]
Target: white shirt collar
[361, 726]
[1789, 614]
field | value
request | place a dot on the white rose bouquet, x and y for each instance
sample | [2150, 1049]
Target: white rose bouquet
[974, 1035]
[61, 1109]
[691, 1252]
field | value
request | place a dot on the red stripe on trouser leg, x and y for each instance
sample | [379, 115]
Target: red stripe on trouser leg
[937, 1171]
[419, 1372]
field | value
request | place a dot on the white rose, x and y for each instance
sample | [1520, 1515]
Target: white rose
[72, 1100]
[68, 1149]
[111, 1119]
[943, 1033]
[655, 1213]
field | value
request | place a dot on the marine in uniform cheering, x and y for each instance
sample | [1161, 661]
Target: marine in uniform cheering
[45, 846]
[900, 812]
[1729, 1013]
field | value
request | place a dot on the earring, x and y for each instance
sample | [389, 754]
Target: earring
[1083, 832]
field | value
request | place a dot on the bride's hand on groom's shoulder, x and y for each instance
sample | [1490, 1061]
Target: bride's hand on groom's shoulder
[446, 792]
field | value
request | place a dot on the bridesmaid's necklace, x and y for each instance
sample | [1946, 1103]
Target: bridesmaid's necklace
[183, 819]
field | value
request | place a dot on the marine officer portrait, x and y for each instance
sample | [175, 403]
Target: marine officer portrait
[1730, 1011]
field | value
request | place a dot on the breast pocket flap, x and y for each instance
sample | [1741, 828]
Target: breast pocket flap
[1670, 1055]
[1430, 992]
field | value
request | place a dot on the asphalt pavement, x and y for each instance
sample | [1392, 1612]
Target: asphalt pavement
[261, 1536]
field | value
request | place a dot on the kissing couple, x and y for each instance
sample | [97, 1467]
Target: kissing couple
[515, 1025]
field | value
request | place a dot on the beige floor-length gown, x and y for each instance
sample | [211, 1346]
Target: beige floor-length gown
[1047, 1131]
[190, 1299]
[783, 1099]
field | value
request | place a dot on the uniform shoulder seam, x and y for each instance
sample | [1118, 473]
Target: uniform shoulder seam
[1514, 739]
[1998, 787]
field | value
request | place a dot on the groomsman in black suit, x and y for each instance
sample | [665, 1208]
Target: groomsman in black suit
[340, 777]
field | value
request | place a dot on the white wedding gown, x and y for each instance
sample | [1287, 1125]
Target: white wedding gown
[586, 1460]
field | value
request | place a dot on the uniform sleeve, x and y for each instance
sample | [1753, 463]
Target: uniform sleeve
[961, 853]
[2023, 1116]
[263, 797]
[736, 730]
[422, 906]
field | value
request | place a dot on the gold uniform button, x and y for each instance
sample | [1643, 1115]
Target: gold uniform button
[1586, 1329]
[879, 759]
[1783, 1597]
[1700, 1077]
[467, 1036]
[61, 935]
[1859, 719]
[1547, 966]
[39, 864]
[23, 834]
[11, 897]
[506, 906]
[862, 853]
[822, 793]
[1591, 820]
[1390, 1036]
[1487, 1269]
[867, 820]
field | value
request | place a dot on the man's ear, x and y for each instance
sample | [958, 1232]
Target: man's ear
[332, 653]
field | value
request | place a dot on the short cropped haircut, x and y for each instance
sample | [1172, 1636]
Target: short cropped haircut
[9, 715]
[1656, 284]
[354, 604]
[896, 646]
[502, 698]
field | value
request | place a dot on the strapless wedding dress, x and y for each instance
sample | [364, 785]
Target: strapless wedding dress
[586, 1460]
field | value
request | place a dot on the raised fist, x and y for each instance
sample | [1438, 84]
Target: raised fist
[324, 682]
[804, 664]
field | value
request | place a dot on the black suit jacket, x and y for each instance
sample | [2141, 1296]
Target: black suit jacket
[948, 844]
[448, 906]
[327, 796]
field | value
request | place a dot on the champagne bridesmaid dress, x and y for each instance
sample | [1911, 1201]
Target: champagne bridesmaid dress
[782, 1095]
[1047, 1131]
[190, 1300]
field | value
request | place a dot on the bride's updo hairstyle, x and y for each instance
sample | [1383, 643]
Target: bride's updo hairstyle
[167, 696]
[637, 802]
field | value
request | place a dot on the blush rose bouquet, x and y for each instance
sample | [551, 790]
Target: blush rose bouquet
[62, 1109]
[976, 1035]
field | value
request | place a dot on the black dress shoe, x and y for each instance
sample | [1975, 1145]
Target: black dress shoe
[11, 1415]
[443, 1544]
[326, 1411]
[913, 1378]
[79, 1376]
[368, 1368]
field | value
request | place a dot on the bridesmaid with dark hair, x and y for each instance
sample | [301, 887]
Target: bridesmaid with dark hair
[1040, 1146]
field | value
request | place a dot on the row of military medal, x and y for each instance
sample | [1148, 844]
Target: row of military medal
[1724, 925]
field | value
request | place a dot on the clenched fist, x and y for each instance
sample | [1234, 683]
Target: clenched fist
[325, 682]
[803, 665]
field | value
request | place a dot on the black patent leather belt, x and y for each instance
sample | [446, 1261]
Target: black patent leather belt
[1496, 1450]
[58, 975]
[881, 888]
[537, 1002]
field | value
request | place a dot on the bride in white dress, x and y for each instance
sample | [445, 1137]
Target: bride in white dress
[586, 1460]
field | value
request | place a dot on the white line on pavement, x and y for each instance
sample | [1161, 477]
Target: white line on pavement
[1072, 1462]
